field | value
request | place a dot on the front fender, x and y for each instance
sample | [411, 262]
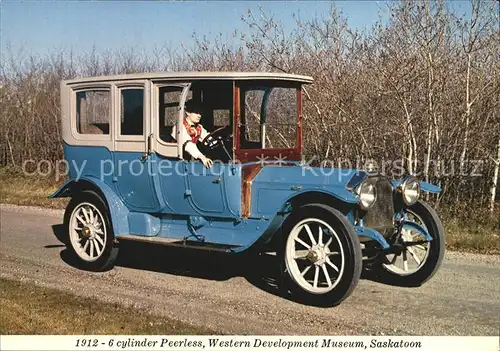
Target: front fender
[338, 193]
[372, 234]
[278, 217]
[418, 228]
[430, 188]
[424, 186]
[117, 210]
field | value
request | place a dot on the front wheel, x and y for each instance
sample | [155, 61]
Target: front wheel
[322, 255]
[415, 264]
[90, 234]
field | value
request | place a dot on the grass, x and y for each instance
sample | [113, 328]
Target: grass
[480, 234]
[18, 189]
[463, 235]
[30, 309]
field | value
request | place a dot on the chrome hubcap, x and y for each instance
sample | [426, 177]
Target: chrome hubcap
[317, 254]
[86, 232]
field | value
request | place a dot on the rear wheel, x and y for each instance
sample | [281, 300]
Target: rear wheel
[90, 234]
[322, 255]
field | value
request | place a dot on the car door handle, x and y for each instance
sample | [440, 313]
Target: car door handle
[149, 149]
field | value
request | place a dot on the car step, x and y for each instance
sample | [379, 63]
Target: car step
[177, 242]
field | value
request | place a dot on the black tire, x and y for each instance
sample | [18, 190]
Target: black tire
[61, 231]
[435, 255]
[352, 255]
[108, 257]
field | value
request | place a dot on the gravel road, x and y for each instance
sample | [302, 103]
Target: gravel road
[238, 296]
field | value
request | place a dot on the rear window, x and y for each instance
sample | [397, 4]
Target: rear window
[93, 111]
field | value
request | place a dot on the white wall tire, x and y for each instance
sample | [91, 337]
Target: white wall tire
[90, 234]
[322, 255]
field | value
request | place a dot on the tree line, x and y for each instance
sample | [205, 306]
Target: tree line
[419, 88]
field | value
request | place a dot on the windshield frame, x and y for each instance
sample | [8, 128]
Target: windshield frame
[262, 154]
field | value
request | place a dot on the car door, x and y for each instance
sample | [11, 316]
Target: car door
[206, 187]
[132, 167]
[186, 186]
[169, 173]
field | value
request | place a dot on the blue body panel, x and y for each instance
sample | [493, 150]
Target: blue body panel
[188, 188]
[88, 161]
[133, 181]
[173, 198]
[217, 231]
[273, 186]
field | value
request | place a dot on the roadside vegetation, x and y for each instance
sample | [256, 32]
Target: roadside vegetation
[473, 236]
[19, 189]
[31, 309]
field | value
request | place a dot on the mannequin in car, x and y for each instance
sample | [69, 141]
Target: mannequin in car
[192, 132]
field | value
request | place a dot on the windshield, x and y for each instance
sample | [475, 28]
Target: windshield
[269, 118]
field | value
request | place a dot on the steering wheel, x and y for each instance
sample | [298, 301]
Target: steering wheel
[217, 138]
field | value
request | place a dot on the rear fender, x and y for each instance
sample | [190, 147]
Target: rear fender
[117, 210]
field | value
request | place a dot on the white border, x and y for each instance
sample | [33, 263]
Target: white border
[232, 342]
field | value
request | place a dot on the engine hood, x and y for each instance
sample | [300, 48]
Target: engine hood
[315, 177]
[273, 185]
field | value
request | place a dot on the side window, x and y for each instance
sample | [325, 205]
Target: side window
[132, 111]
[269, 118]
[251, 125]
[93, 111]
[169, 111]
[281, 118]
[222, 118]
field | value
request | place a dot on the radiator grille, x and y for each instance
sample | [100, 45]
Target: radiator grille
[380, 215]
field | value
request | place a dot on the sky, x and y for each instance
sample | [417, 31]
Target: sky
[40, 27]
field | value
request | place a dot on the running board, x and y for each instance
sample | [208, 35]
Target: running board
[177, 242]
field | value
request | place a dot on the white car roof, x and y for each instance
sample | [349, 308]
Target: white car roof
[176, 76]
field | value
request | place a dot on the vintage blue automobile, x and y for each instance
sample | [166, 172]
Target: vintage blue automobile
[130, 178]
